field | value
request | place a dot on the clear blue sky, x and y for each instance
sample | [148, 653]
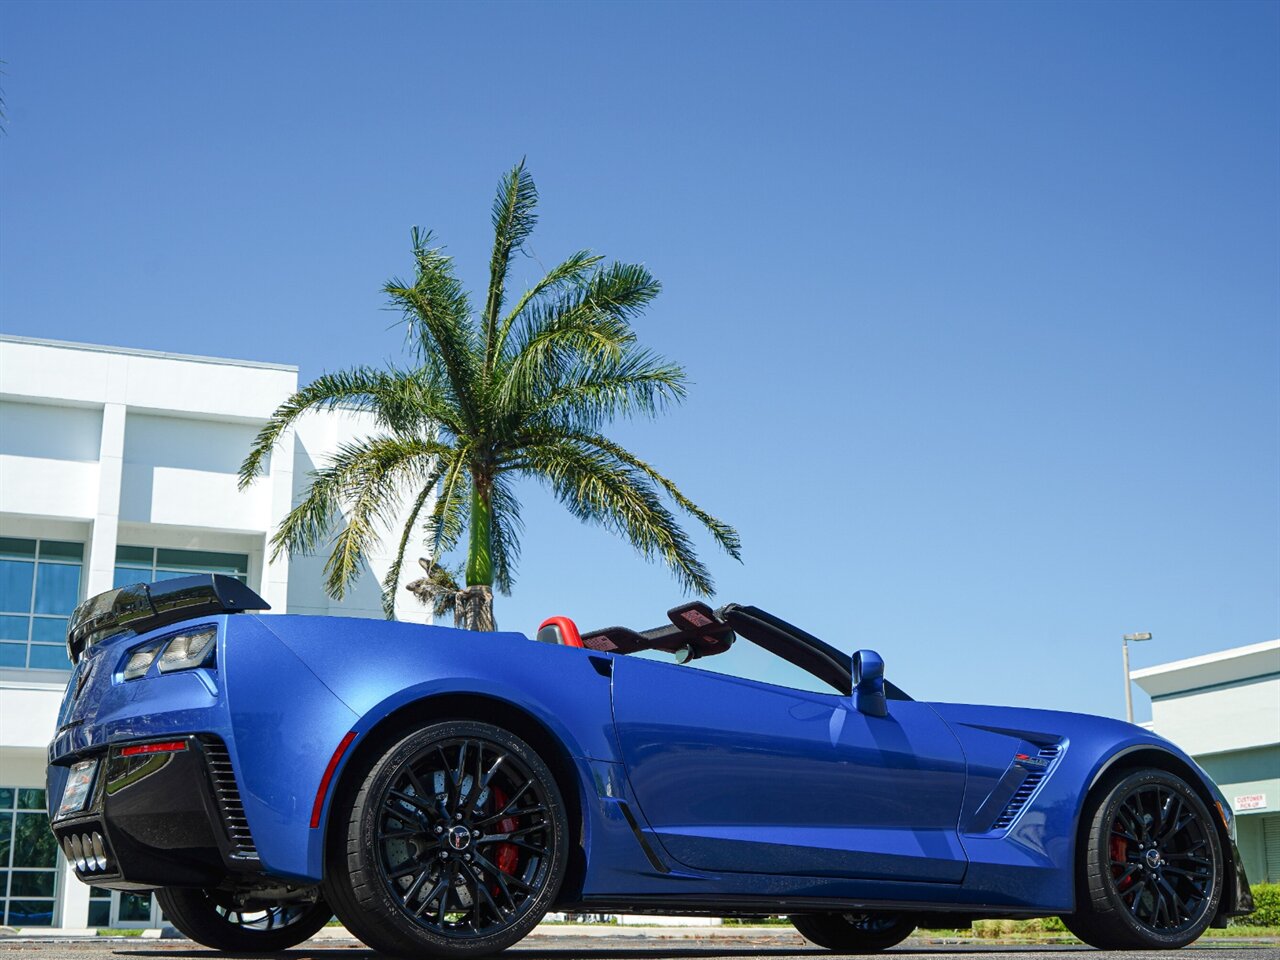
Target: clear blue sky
[981, 301]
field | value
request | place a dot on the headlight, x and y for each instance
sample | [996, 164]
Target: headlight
[140, 660]
[185, 651]
[189, 650]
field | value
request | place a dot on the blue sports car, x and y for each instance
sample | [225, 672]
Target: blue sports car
[440, 791]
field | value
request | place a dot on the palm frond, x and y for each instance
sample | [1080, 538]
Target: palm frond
[724, 535]
[596, 487]
[623, 289]
[419, 402]
[438, 315]
[384, 393]
[360, 531]
[638, 383]
[588, 325]
[311, 522]
[447, 521]
[363, 484]
[572, 271]
[391, 582]
[513, 220]
[507, 526]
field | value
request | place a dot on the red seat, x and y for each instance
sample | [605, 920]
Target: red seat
[559, 630]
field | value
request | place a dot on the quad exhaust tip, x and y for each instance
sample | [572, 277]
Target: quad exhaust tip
[87, 851]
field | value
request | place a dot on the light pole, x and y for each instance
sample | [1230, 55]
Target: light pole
[1128, 693]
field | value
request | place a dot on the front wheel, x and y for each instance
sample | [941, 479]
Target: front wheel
[1150, 868]
[218, 920]
[454, 846]
[855, 932]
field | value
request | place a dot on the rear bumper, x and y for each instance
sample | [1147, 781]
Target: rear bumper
[169, 819]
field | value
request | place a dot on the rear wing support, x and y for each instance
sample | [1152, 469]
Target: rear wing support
[140, 607]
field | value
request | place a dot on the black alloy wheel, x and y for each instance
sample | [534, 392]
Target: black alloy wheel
[219, 920]
[1160, 858]
[456, 844]
[1151, 876]
[855, 932]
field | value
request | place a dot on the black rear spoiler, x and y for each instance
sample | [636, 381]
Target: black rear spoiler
[140, 607]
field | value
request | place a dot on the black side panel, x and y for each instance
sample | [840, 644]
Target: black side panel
[1237, 895]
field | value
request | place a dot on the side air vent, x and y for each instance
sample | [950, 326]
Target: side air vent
[228, 796]
[1018, 801]
[1026, 789]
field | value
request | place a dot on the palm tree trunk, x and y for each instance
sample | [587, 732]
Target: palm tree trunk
[474, 610]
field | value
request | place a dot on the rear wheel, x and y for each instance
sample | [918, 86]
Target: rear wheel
[855, 932]
[454, 846]
[217, 920]
[1150, 868]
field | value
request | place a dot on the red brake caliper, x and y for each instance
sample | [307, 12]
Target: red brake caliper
[508, 855]
[1119, 851]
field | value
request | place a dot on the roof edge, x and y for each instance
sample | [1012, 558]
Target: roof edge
[140, 352]
[1206, 659]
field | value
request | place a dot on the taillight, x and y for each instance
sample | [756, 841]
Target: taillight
[137, 749]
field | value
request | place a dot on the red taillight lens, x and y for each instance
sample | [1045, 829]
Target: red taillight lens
[171, 746]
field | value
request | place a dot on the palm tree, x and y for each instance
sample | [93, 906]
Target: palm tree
[490, 398]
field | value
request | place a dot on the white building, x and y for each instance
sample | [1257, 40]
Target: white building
[118, 466]
[1224, 710]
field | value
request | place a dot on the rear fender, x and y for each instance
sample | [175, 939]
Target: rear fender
[285, 725]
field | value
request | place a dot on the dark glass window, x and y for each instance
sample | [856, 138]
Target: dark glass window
[149, 564]
[134, 907]
[39, 587]
[28, 859]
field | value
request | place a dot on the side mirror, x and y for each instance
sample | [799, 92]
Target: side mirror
[868, 684]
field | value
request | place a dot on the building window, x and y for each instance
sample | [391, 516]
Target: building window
[39, 587]
[148, 564]
[122, 908]
[133, 907]
[28, 859]
[99, 907]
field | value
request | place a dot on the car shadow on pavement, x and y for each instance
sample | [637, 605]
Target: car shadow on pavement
[711, 951]
[560, 953]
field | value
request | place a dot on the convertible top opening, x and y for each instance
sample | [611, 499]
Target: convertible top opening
[697, 631]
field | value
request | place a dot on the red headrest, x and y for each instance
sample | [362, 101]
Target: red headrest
[559, 630]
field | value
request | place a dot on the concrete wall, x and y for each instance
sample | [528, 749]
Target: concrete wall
[49, 459]
[1238, 716]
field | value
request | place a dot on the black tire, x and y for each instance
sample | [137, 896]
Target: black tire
[213, 919]
[1149, 871]
[855, 932]
[447, 875]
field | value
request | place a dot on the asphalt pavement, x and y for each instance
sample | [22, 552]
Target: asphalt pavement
[633, 945]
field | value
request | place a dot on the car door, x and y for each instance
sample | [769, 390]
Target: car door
[738, 775]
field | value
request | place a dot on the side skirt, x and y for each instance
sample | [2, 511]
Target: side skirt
[710, 906]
